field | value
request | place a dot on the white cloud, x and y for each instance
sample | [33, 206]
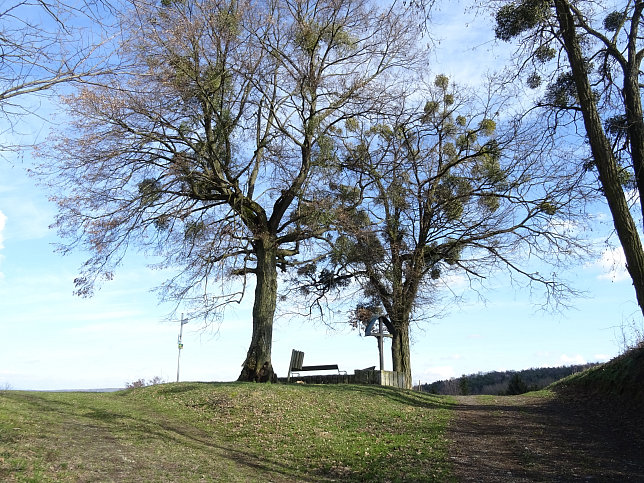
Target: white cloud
[572, 360]
[543, 355]
[457, 282]
[453, 357]
[613, 265]
[25, 204]
[6, 189]
[564, 227]
[436, 373]
[602, 357]
[3, 223]
[476, 41]
[30, 220]
[125, 322]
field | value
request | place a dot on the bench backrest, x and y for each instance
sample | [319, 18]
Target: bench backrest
[297, 359]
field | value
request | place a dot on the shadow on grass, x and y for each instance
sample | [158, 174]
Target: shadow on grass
[180, 388]
[131, 423]
[39, 401]
[201, 439]
[524, 439]
[104, 416]
[140, 435]
[401, 396]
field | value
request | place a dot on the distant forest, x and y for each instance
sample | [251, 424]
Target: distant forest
[503, 383]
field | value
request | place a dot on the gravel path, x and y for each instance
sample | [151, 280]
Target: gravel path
[527, 438]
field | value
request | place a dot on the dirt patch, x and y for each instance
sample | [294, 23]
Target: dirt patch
[526, 438]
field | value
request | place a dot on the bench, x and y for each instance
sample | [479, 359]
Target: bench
[297, 359]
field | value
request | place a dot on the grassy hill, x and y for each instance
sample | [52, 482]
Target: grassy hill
[224, 432]
[621, 380]
[283, 433]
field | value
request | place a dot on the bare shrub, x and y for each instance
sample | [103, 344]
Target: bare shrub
[143, 383]
[632, 335]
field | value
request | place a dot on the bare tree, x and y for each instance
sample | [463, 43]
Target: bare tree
[591, 58]
[442, 188]
[45, 44]
[202, 149]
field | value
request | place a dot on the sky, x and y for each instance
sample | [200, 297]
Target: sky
[51, 339]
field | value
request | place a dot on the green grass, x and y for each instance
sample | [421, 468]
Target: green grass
[254, 432]
[621, 380]
[225, 432]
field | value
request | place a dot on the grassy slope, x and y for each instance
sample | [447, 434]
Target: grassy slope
[224, 432]
[253, 432]
[620, 380]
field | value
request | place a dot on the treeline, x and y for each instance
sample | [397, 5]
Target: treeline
[502, 383]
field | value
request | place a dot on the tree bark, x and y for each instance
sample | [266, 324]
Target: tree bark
[258, 367]
[400, 351]
[633, 103]
[602, 152]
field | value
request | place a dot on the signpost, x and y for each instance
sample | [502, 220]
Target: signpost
[180, 343]
[380, 334]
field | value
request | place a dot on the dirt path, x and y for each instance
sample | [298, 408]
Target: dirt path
[522, 438]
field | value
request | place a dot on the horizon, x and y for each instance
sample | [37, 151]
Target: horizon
[160, 382]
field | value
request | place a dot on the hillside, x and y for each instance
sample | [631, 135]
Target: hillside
[585, 427]
[225, 432]
[497, 382]
[620, 380]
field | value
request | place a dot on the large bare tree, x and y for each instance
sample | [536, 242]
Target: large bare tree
[203, 147]
[442, 187]
[591, 58]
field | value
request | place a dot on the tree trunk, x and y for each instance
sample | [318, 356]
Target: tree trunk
[400, 350]
[633, 103]
[257, 366]
[603, 155]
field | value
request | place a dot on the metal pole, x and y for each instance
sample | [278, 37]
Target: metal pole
[180, 344]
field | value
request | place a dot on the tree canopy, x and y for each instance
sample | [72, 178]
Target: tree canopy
[591, 58]
[440, 186]
[44, 46]
[200, 148]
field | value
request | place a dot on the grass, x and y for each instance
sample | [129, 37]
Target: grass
[256, 432]
[225, 432]
[620, 380]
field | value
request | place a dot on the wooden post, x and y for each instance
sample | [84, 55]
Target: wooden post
[380, 344]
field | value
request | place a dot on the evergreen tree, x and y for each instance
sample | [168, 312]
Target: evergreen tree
[516, 386]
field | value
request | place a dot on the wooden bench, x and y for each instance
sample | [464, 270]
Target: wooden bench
[297, 359]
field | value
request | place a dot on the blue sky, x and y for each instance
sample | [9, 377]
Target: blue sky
[54, 340]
